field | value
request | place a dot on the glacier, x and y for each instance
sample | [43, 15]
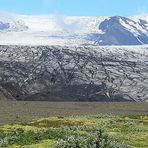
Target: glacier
[74, 73]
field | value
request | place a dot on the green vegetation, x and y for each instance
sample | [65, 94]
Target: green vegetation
[98, 131]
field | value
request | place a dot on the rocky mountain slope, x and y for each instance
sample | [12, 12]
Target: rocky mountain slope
[74, 73]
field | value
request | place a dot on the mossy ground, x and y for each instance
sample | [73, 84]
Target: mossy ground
[131, 130]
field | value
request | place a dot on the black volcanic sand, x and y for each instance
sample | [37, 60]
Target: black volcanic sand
[20, 112]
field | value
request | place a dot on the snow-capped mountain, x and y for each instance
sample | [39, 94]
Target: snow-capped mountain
[73, 30]
[123, 31]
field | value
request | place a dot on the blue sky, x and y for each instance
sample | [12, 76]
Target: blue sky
[76, 7]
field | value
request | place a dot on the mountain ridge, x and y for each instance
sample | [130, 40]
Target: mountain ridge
[74, 30]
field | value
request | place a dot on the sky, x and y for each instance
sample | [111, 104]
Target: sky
[76, 7]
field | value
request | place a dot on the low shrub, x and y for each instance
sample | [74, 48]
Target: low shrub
[93, 140]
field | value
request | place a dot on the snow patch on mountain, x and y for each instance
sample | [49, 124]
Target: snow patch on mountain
[10, 23]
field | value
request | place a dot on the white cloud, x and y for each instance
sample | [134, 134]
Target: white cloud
[66, 24]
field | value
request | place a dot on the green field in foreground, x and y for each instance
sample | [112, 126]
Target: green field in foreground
[98, 131]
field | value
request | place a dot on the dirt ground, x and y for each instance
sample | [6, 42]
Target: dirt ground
[21, 112]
